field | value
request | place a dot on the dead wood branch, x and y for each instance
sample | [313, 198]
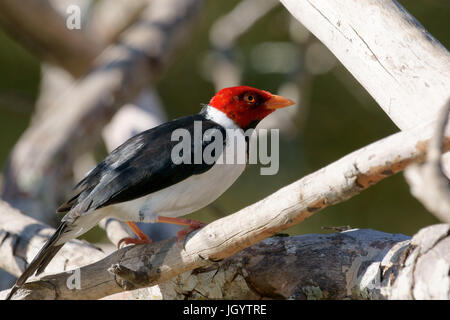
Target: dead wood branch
[356, 264]
[286, 207]
[228, 28]
[110, 18]
[40, 28]
[223, 35]
[21, 237]
[428, 181]
[387, 50]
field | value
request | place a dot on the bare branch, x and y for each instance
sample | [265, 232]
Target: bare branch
[387, 50]
[426, 265]
[115, 230]
[21, 237]
[357, 264]
[110, 18]
[40, 28]
[412, 77]
[223, 35]
[227, 29]
[428, 181]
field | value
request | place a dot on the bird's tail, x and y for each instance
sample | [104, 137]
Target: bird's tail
[42, 259]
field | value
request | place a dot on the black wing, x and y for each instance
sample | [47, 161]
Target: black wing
[140, 166]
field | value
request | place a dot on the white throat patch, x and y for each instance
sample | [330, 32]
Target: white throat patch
[220, 118]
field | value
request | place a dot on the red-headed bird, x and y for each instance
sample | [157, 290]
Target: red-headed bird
[142, 181]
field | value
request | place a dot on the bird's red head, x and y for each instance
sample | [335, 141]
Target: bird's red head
[246, 106]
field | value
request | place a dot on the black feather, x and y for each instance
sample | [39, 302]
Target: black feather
[140, 166]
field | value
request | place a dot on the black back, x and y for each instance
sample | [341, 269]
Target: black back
[141, 165]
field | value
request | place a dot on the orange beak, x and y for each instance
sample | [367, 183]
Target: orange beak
[277, 102]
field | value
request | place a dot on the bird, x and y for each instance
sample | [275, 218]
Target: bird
[143, 182]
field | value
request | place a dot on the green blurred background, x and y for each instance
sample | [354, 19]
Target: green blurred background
[340, 117]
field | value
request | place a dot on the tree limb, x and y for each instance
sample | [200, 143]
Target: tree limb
[356, 264]
[428, 181]
[110, 18]
[40, 28]
[387, 50]
[223, 35]
[21, 237]
[392, 82]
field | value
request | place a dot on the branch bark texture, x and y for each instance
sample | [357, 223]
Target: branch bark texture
[356, 264]
[428, 181]
[42, 30]
[21, 237]
[403, 67]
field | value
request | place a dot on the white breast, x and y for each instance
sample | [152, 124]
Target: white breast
[194, 192]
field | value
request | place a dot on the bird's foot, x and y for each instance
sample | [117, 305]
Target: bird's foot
[142, 237]
[181, 235]
[134, 241]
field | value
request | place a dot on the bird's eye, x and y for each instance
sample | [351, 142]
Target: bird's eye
[249, 98]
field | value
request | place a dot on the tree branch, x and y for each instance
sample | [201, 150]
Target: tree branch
[428, 181]
[357, 264]
[397, 72]
[387, 50]
[110, 18]
[223, 35]
[40, 28]
[21, 237]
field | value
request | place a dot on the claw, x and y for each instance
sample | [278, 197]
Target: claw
[143, 238]
[181, 235]
[134, 241]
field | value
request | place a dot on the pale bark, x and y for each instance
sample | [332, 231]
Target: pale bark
[39, 27]
[387, 50]
[428, 181]
[110, 18]
[355, 264]
[21, 237]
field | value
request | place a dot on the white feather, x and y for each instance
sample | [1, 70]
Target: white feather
[194, 192]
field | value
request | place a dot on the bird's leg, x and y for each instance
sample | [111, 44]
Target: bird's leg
[191, 226]
[143, 238]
